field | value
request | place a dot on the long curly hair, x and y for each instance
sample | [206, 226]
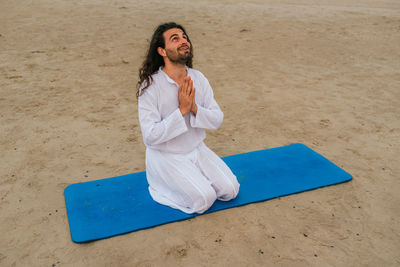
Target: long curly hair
[153, 60]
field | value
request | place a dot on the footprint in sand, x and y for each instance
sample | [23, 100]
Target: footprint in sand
[324, 123]
[179, 251]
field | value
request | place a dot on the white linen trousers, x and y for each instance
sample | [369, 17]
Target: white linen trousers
[189, 182]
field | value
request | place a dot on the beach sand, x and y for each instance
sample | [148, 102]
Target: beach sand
[322, 73]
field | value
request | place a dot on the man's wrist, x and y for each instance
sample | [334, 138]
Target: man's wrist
[194, 109]
[183, 111]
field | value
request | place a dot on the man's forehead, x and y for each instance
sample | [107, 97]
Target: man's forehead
[170, 32]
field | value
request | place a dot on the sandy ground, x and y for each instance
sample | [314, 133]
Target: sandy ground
[323, 73]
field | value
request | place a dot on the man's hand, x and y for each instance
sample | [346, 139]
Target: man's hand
[186, 96]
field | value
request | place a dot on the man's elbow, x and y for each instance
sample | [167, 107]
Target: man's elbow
[219, 119]
[151, 139]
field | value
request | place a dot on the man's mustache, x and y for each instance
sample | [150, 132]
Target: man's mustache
[184, 46]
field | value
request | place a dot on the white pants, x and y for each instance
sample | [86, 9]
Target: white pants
[189, 182]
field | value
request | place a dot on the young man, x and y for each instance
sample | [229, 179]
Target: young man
[176, 105]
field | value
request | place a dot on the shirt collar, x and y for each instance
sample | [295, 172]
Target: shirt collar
[168, 78]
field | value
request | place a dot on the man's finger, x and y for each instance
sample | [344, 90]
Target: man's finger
[187, 85]
[184, 86]
[180, 91]
[190, 87]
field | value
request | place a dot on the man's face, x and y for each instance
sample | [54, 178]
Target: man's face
[177, 47]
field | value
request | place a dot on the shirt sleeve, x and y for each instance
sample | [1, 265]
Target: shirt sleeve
[156, 130]
[209, 115]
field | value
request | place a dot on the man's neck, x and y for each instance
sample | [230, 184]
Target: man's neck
[175, 71]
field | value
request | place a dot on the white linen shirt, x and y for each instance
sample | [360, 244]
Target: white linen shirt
[162, 124]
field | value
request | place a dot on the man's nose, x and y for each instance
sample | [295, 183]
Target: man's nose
[184, 41]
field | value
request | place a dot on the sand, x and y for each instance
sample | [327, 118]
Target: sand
[322, 73]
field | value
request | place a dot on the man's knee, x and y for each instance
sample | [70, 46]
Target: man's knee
[204, 200]
[230, 190]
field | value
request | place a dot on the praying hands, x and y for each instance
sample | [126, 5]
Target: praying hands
[186, 97]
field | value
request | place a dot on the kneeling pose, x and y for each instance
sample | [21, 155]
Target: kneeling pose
[176, 105]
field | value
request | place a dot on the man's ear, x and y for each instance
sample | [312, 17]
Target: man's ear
[161, 51]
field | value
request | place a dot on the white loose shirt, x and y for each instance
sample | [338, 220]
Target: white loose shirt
[162, 124]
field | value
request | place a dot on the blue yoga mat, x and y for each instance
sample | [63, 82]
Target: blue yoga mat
[118, 205]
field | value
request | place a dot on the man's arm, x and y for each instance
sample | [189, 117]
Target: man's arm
[208, 116]
[154, 129]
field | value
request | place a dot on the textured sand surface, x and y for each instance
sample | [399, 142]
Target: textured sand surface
[323, 73]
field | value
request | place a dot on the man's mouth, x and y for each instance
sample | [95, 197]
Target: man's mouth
[185, 48]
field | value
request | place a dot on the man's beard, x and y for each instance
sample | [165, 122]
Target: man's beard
[178, 58]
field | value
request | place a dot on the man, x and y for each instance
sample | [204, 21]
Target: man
[176, 105]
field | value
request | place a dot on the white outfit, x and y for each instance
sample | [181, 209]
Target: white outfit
[181, 170]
